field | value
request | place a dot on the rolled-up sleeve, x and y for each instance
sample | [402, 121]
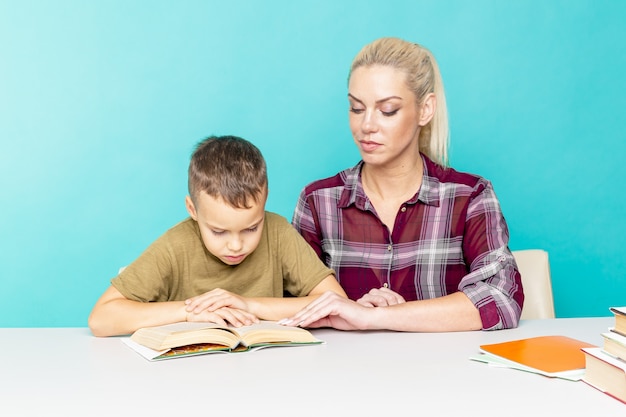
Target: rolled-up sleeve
[494, 282]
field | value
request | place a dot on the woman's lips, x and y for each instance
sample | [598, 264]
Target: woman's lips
[369, 146]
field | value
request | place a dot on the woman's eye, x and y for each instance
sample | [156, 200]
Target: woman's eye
[356, 111]
[389, 113]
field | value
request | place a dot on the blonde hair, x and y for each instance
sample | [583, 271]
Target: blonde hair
[422, 77]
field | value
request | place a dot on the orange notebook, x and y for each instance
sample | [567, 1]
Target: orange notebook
[549, 354]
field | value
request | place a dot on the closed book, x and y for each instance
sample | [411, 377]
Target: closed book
[614, 344]
[552, 356]
[605, 373]
[620, 319]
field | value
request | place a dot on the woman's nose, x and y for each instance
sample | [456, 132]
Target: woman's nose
[368, 124]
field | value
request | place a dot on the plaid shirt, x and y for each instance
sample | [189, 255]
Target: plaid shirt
[451, 236]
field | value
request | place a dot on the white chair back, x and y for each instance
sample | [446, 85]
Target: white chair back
[534, 266]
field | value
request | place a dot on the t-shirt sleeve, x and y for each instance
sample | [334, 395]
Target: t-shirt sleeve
[148, 278]
[302, 268]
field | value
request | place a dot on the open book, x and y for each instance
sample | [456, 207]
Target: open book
[551, 356]
[193, 338]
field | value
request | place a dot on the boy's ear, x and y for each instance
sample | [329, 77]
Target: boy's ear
[191, 209]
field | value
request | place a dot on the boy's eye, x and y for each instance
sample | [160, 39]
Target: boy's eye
[217, 232]
[252, 229]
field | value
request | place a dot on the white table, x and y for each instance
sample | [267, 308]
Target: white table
[67, 371]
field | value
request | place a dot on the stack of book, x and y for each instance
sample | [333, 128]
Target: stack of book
[606, 365]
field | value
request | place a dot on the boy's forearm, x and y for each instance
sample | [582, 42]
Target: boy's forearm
[121, 317]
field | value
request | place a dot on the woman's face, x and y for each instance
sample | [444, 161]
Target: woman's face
[384, 116]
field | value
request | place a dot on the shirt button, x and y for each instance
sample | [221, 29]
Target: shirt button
[389, 248]
[403, 209]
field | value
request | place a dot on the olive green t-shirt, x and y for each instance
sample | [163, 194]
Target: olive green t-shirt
[178, 266]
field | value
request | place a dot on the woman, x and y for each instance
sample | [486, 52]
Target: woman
[418, 245]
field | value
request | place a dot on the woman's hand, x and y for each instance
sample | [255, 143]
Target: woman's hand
[381, 297]
[331, 310]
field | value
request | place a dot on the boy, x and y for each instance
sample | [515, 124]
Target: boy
[228, 263]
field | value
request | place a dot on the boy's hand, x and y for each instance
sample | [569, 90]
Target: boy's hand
[224, 316]
[214, 300]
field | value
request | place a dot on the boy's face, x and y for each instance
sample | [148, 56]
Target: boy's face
[230, 234]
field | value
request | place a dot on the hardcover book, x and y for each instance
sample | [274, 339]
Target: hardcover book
[614, 344]
[605, 373]
[620, 319]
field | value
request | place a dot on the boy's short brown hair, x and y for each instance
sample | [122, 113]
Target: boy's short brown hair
[228, 167]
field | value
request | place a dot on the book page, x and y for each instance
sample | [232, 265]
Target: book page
[193, 338]
[498, 362]
[185, 333]
[271, 332]
[146, 352]
[157, 355]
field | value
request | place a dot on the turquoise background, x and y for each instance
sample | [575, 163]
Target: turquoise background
[101, 104]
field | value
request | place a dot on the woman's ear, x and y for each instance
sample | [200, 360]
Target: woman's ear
[428, 109]
[191, 209]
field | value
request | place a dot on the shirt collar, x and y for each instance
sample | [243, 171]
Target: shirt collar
[353, 192]
[430, 190]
